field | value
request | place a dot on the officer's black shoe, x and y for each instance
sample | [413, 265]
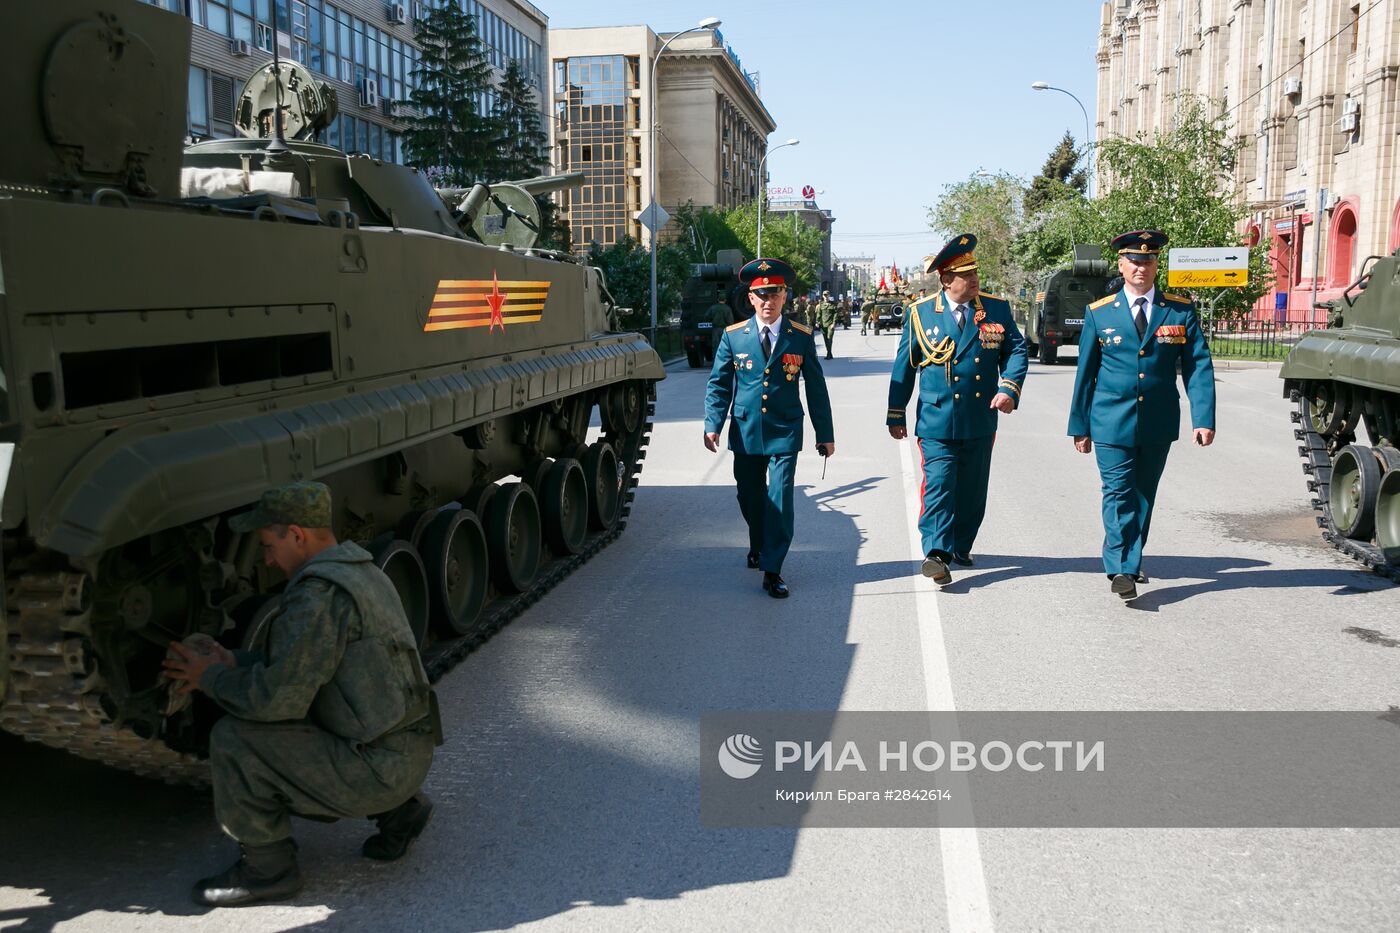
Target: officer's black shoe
[774, 585]
[398, 828]
[263, 873]
[1124, 586]
[753, 560]
[962, 558]
[1141, 578]
[936, 570]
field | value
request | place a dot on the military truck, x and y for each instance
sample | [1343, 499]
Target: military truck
[710, 284]
[888, 310]
[1055, 318]
[181, 329]
[1342, 378]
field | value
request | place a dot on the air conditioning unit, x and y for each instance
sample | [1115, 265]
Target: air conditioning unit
[1292, 86]
[397, 109]
[1349, 122]
[369, 93]
[1351, 105]
[239, 48]
[398, 13]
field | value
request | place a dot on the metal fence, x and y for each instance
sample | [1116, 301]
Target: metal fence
[668, 340]
[1256, 340]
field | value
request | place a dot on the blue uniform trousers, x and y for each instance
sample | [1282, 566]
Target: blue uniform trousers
[1129, 476]
[954, 495]
[765, 499]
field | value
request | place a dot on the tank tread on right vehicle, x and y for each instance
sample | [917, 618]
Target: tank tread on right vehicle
[1341, 378]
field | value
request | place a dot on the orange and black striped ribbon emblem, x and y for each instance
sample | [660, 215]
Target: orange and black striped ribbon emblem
[481, 303]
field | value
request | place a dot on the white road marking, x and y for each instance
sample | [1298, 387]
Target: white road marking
[964, 883]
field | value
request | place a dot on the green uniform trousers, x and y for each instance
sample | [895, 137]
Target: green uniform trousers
[828, 332]
[1129, 476]
[765, 499]
[266, 772]
[953, 499]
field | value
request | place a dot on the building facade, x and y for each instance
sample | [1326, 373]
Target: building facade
[860, 270]
[1309, 88]
[793, 210]
[364, 48]
[711, 133]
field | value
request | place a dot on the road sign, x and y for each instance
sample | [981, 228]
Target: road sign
[653, 217]
[1208, 267]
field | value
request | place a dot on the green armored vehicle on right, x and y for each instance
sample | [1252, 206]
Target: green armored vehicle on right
[1056, 317]
[1342, 377]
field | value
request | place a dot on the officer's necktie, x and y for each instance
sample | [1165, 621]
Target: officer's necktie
[1140, 316]
[958, 314]
[767, 342]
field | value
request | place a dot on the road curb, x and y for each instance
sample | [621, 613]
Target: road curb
[1247, 364]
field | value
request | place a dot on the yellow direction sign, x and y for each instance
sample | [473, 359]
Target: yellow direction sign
[1208, 267]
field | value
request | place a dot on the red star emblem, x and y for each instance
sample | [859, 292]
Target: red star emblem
[496, 300]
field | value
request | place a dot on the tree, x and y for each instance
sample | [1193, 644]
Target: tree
[992, 208]
[1179, 181]
[520, 147]
[1058, 179]
[627, 267]
[450, 140]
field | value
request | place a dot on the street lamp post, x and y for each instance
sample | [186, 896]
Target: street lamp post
[763, 189]
[710, 22]
[1088, 138]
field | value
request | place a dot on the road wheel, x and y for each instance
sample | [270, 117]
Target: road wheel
[404, 568]
[564, 507]
[455, 557]
[1388, 515]
[1324, 407]
[1356, 479]
[513, 537]
[604, 489]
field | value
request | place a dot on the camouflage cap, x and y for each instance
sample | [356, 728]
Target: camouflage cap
[306, 504]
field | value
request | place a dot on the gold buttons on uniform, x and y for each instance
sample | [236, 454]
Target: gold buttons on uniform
[1142, 353]
[765, 398]
[765, 372]
[1142, 375]
[978, 377]
[977, 359]
[1139, 398]
[763, 410]
[979, 394]
[765, 383]
[957, 378]
[956, 396]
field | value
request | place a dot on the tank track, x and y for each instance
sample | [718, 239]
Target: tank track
[55, 691]
[1317, 464]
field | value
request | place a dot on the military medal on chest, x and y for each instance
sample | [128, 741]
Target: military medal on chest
[792, 364]
[992, 333]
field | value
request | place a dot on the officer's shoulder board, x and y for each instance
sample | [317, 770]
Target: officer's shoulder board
[1181, 299]
[798, 325]
[736, 326]
[990, 295]
[1106, 300]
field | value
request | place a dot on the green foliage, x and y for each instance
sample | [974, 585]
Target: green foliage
[520, 148]
[992, 208]
[627, 267]
[451, 141]
[703, 231]
[1058, 179]
[785, 237]
[1179, 182]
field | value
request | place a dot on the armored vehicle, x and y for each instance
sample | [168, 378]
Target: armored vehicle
[1342, 378]
[181, 329]
[886, 310]
[1055, 317]
[710, 284]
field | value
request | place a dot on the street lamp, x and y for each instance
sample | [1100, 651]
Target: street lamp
[763, 190]
[709, 22]
[1088, 138]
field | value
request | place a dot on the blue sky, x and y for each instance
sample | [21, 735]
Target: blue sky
[894, 99]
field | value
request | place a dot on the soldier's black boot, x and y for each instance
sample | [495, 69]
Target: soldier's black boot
[774, 586]
[1123, 586]
[261, 874]
[398, 828]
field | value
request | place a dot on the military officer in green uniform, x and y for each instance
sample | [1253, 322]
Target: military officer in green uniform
[963, 353]
[720, 318]
[1125, 407]
[756, 372]
[329, 715]
[827, 315]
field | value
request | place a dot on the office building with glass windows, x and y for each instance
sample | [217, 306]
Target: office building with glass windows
[711, 133]
[363, 47]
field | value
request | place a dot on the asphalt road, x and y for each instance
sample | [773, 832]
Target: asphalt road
[567, 792]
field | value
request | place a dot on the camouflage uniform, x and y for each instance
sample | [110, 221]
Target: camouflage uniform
[721, 317]
[330, 713]
[827, 314]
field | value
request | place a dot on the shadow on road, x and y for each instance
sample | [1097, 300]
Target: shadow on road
[570, 773]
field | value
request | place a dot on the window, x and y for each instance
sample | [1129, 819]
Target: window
[199, 102]
[1355, 27]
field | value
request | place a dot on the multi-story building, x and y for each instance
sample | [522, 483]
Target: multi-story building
[860, 270]
[364, 48]
[1309, 87]
[711, 133]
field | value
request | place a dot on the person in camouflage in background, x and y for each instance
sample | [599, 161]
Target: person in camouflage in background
[329, 715]
[827, 315]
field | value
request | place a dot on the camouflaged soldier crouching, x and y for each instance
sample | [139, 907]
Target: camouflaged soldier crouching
[330, 713]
